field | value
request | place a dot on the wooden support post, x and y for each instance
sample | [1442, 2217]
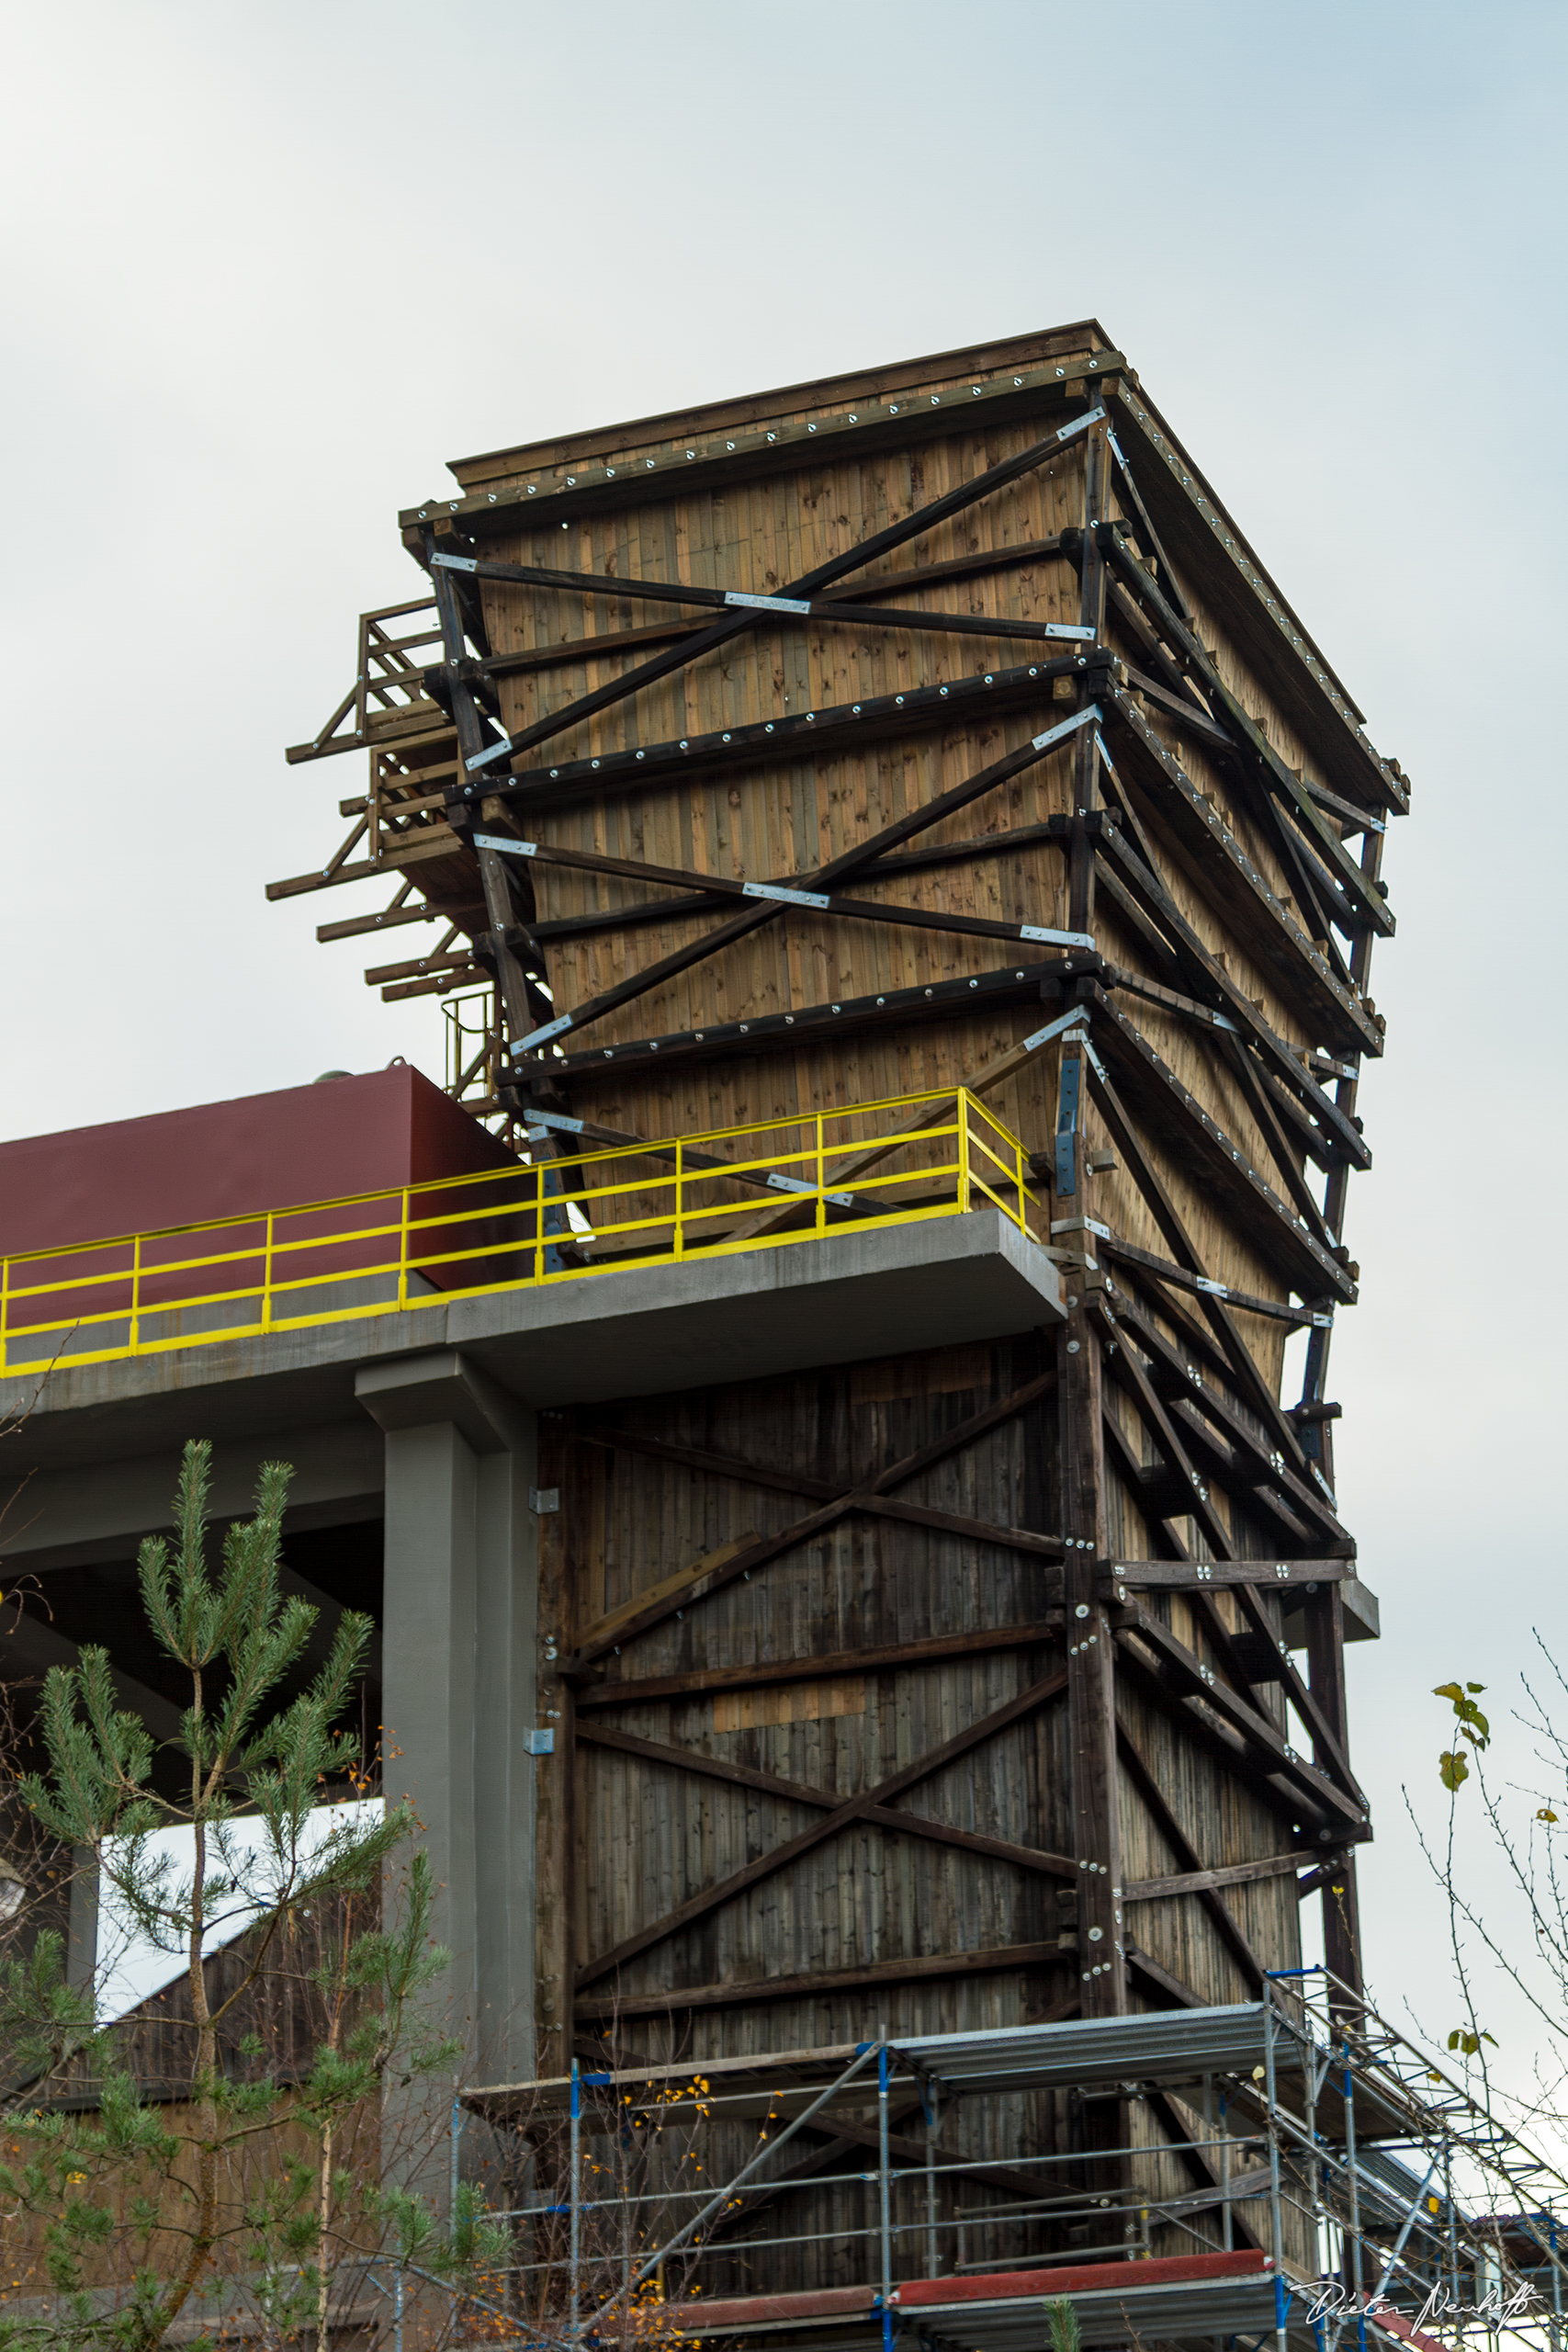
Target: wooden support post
[1091, 1654]
[1325, 1680]
[556, 1830]
[1091, 615]
[1325, 1611]
[1091, 1712]
[511, 980]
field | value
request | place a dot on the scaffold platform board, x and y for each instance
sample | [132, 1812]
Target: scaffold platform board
[1170, 2047]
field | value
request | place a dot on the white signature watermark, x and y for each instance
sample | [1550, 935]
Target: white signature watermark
[1331, 2299]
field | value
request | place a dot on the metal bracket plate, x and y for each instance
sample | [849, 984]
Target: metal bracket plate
[1067, 1100]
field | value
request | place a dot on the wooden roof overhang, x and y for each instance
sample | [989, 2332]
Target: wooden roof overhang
[735, 441]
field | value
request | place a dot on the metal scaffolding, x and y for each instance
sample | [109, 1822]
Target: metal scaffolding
[1350, 2190]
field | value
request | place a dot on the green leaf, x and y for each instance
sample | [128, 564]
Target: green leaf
[1454, 1768]
[1475, 1685]
[1449, 1690]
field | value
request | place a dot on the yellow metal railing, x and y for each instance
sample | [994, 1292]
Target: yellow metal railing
[896, 1162]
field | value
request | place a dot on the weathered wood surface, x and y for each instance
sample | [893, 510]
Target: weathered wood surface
[709, 1593]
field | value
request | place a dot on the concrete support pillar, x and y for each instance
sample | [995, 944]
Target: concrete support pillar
[505, 1770]
[459, 1655]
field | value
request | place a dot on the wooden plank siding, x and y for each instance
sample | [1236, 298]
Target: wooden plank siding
[874, 1924]
[650, 1835]
[1227, 1010]
[647, 1836]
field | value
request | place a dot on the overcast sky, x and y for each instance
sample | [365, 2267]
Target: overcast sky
[265, 269]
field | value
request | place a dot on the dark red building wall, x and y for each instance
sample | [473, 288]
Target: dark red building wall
[259, 1151]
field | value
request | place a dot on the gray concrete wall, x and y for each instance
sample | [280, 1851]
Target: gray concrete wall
[459, 1695]
[98, 1506]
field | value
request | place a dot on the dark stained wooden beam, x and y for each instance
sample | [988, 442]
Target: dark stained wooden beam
[1206, 541]
[1220, 1165]
[511, 974]
[1199, 1879]
[718, 891]
[874, 1659]
[1080, 1418]
[916, 821]
[1197, 1882]
[1197, 1503]
[1327, 1748]
[1324, 1875]
[1257, 1391]
[746, 441]
[1121, 1576]
[724, 1890]
[997, 1960]
[1209, 1731]
[1165, 1270]
[1229, 879]
[1171, 689]
[1163, 2109]
[785, 607]
[1265, 1116]
[712, 1569]
[1157, 1487]
[736, 623]
[1363, 904]
[1024, 983]
[887, 868]
[1222, 999]
[1130, 1375]
[1143, 531]
[1176, 1995]
[826, 2158]
[1242, 1439]
[800, 1531]
[810, 735]
[700, 1458]
[718, 1767]
[1188, 1675]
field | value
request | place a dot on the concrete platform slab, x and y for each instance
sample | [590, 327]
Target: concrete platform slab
[850, 1295]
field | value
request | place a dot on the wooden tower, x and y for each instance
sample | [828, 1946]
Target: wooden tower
[927, 726]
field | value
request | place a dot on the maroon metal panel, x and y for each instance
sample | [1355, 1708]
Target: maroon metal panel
[237, 1160]
[1082, 2278]
[756, 2311]
[260, 1151]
